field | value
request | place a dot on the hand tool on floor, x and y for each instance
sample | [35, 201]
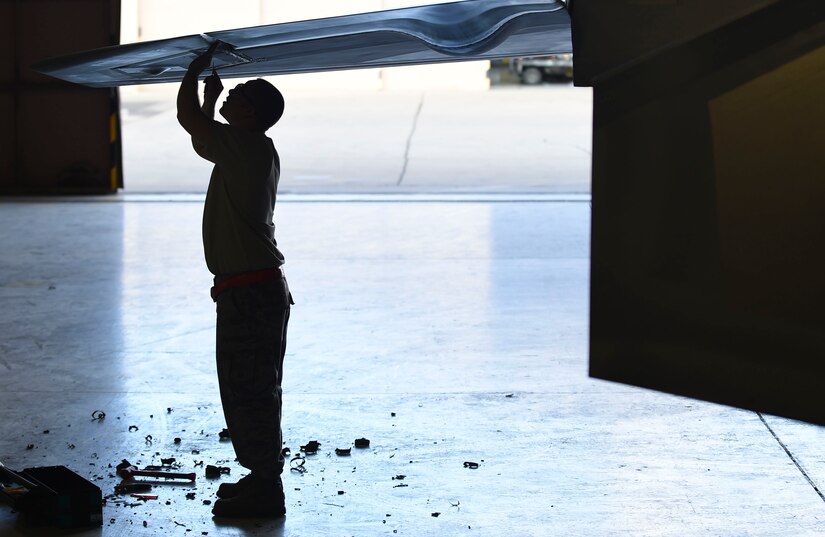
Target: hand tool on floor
[127, 470]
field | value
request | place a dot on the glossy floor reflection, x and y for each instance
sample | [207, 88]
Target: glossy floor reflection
[443, 332]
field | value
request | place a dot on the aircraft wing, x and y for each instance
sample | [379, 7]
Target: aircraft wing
[457, 31]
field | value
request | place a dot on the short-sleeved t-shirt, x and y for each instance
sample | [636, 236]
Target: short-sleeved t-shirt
[238, 233]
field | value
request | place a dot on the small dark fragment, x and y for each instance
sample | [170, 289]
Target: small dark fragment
[213, 471]
[176, 440]
[340, 493]
[98, 415]
[311, 447]
[190, 495]
[196, 452]
[392, 414]
[170, 460]
[470, 464]
[30, 446]
[224, 434]
[72, 446]
[399, 477]
[46, 431]
[207, 502]
[133, 428]
[145, 497]
[343, 452]
[297, 464]
[168, 410]
[362, 443]
[436, 514]
[129, 488]
[145, 524]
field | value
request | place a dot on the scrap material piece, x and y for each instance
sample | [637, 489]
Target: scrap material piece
[456, 31]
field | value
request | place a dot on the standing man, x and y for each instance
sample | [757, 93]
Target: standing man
[251, 292]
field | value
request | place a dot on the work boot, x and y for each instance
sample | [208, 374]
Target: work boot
[255, 498]
[230, 490]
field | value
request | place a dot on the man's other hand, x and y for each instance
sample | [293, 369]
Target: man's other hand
[212, 88]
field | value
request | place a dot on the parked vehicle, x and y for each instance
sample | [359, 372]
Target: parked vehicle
[536, 69]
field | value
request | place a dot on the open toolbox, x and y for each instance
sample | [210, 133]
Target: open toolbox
[52, 494]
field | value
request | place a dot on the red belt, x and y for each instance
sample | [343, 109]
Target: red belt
[222, 283]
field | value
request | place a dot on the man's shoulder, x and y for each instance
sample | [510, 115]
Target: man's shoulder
[228, 131]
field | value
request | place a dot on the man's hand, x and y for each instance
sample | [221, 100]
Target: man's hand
[204, 61]
[212, 88]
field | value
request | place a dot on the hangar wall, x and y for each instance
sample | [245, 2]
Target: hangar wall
[56, 137]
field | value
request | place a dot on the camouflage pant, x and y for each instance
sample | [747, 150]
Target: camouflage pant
[251, 341]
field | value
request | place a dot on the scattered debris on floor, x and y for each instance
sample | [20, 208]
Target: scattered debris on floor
[131, 493]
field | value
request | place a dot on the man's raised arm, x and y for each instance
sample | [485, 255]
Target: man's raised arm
[190, 115]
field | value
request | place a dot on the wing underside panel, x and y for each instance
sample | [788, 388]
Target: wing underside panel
[457, 31]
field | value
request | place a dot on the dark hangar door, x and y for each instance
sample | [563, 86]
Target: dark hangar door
[708, 237]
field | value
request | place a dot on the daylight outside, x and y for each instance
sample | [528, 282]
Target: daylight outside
[477, 127]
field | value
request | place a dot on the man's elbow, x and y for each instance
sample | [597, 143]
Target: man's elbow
[185, 120]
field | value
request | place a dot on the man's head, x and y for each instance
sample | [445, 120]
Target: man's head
[254, 105]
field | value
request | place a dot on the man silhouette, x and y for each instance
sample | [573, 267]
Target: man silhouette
[250, 290]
